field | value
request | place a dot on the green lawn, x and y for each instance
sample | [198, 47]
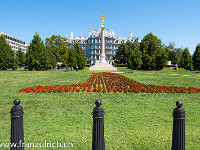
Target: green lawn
[132, 121]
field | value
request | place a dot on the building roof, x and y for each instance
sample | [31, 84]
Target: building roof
[6, 34]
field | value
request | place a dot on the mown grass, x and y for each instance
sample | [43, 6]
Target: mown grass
[132, 121]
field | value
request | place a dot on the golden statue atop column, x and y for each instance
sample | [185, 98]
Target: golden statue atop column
[102, 18]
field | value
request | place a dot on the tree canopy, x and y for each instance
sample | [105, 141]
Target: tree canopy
[153, 54]
[134, 55]
[58, 46]
[7, 55]
[72, 57]
[174, 54]
[80, 55]
[77, 56]
[129, 53]
[122, 53]
[149, 54]
[20, 58]
[196, 58]
[37, 55]
[186, 60]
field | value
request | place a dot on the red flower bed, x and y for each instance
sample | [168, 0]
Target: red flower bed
[111, 83]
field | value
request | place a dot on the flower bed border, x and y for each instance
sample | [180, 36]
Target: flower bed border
[109, 83]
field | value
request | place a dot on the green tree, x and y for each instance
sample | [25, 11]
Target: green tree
[65, 58]
[121, 54]
[129, 53]
[20, 58]
[196, 58]
[59, 48]
[186, 60]
[134, 56]
[72, 57]
[51, 57]
[80, 56]
[171, 53]
[46, 59]
[37, 55]
[7, 55]
[152, 49]
[178, 55]
[161, 57]
[174, 54]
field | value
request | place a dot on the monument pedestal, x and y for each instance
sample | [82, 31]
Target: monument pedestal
[103, 58]
[103, 66]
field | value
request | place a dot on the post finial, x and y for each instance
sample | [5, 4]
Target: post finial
[98, 103]
[179, 104]
[16, 102]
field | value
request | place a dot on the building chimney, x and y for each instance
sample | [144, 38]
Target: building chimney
[72, 33]
[113, 33]
[89, 33]
[131, 34]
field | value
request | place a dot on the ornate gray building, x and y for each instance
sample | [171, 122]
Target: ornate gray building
[92, 44]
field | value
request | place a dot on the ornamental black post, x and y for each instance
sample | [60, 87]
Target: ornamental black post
[178, 135]
[17, 130]
[98, 127]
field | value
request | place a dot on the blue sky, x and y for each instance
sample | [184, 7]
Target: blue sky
[175, 21]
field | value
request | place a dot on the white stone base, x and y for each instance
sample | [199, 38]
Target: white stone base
[103, 66]
[103, 60]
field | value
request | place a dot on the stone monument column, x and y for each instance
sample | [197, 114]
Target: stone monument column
[103, 56]
[103, 65]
